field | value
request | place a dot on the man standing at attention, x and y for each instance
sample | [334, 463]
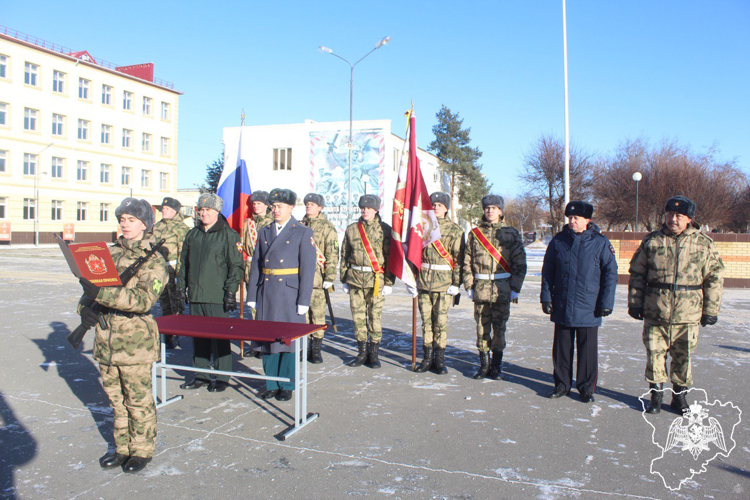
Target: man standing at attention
[327, 256]
[437, 284]
[280, 286]
[211, 271]
[494, 270]
[676, 282]
[172, 229]
[364, 260]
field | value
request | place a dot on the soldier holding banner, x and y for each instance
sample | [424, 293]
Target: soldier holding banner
[494, 269]
[364, 260]
[327, 256]
[437, 284]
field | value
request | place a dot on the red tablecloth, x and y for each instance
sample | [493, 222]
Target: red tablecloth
[207, 327]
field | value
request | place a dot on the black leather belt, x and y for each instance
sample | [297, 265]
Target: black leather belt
[674, 287]
[116, 312]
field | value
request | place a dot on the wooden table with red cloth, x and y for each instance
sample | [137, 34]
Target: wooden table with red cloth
[207, 327]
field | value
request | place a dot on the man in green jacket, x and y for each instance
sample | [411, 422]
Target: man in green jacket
[172, 229]
[364, 261]
[210, 269]
[676, 282]
[327, 256]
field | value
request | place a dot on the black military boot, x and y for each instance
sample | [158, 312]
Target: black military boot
[426, 360]
[496, 366]
[438, 367]
[657, 396]
[373, 361]
[483, 365]
[361, 355]
[679, 401]
[315, 356]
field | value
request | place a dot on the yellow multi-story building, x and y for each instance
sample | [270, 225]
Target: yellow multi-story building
[77, 135]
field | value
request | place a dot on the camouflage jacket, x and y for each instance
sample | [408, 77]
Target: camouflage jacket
[688, 259]
[130, 341]
[261, 221]
[477, 260]
[353, 253]
[173, 231]
[452, 238]
[327, 242]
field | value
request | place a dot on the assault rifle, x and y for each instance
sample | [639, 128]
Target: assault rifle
[76, 336]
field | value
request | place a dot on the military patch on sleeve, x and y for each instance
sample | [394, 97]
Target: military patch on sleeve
[612, 249]
[239, 247]
[157, 286]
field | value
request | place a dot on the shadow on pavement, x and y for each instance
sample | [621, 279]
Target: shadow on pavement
[79, 372]
[18, 445]
[734, 348]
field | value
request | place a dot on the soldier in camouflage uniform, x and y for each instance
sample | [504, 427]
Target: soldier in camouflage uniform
[127, 349]
[437, 284]
[327, 252]
[365, 285]
[489, 284]
[676, 282]
[261, 218]
[172, 229]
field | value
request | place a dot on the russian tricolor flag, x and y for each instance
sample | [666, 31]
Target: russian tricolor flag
[234, 189]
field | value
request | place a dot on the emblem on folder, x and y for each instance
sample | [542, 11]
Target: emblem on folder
[95, 264]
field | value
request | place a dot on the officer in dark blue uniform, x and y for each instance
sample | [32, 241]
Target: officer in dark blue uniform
[280, 286]
[579, 277]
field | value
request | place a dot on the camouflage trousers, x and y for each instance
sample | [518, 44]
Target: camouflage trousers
[317, 314]
[167, 299]
[367, 312]
[491, 318]
[679, 341]
[129, 390]
[433, 307]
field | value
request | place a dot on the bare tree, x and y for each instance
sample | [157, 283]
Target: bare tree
[524, 212]
[668, 169]
[544, 176]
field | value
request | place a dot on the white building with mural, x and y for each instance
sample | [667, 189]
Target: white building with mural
[314, 157]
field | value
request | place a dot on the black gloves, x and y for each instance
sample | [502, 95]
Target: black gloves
[230, 302]
[600, 313]
[708, 320]
[90, 290]
[88, 317]
[547, 307]
[635, 313]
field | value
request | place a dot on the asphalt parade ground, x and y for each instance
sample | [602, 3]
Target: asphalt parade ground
[387, 433]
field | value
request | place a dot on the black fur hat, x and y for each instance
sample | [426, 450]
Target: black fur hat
[493, 199]
[261, 196]
[580, 209]
[140, 209]
[440, 197]
[369, 201]
[283, 196]
[681, 205]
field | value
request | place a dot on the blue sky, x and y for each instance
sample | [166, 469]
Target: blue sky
[658, 69]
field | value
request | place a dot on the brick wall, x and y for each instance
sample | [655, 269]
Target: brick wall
[734, 250]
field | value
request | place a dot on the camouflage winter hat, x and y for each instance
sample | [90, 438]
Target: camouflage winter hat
[140, 209]
[440, 197]
[681, 205]
[316, 198]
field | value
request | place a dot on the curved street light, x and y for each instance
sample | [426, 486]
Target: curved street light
[325, 50]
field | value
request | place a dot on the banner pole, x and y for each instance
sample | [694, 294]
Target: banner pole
[413, 333]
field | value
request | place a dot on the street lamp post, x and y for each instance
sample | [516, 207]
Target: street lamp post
[350, 145]
[636, 177]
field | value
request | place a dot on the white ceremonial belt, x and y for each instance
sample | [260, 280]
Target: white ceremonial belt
[501, 276]
[364, 269]
[437, 267]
